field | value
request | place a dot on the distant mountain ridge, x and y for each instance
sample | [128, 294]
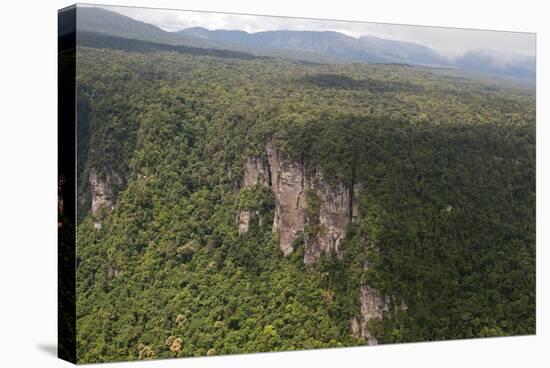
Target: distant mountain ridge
[102, 21]
[367, 49]
[400, 50]
[371, 49]
[327, 43]
[485, 61]
[311, 46]
[98, 20]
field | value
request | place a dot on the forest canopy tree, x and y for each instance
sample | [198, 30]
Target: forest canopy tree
[446, 207]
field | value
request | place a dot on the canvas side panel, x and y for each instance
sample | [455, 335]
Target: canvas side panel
[66, 133]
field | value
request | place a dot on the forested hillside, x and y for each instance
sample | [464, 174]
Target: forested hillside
[442, 172]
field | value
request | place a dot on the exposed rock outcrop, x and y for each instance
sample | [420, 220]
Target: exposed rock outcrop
[289, 182]
[335, 212]
[102, 189]
[255, 173]
[244, 221]
[336, 205]
[373, 305]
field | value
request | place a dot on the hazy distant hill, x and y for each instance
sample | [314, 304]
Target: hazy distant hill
[97, 20]
[398, 51]
[364, 49]
[311, 46]
[372, 49]
[114, 24]
[325, 43]
[484, 61]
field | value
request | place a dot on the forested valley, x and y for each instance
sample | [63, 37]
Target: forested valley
[445, 228]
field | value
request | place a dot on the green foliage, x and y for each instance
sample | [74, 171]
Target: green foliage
[447, 202]
[312, 214]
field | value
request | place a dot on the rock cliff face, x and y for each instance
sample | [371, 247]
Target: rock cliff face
[256, 173]
[103, 194]
[289, 182]
[373, 305]
[244, 221]
[336, 206]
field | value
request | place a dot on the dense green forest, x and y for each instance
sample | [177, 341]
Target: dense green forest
[447, 205]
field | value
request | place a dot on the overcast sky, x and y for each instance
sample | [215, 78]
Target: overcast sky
[450, 41]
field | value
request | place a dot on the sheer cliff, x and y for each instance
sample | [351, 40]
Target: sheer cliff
[309, 208]
[304, 202]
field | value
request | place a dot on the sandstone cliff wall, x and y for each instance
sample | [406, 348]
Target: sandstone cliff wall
[289, 182]
[337, 207]
[103, 193]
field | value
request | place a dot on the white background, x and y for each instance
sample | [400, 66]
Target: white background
[28, 177]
